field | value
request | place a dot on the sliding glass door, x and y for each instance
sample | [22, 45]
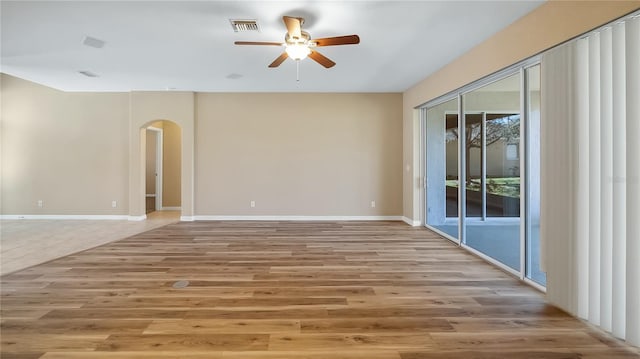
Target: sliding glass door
[482, 170]
[492, 170]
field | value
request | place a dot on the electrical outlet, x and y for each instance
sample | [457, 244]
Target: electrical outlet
[373, 204]
[252, 204]
[114, 204]
[40, 203]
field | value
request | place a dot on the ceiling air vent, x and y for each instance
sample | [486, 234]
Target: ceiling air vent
[87, 73]
[245, 25]
[93, 42]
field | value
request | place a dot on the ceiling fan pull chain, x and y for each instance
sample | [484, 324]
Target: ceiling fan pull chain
[297, 70]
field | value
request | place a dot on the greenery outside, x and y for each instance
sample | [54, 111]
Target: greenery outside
[501, 186]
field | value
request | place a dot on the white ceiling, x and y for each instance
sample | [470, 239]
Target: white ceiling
[188, 45]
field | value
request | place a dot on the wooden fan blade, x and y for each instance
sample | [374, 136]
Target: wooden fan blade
[279, 60]
[258, 43]
[338, 40]
[321, 59]
[293, 26]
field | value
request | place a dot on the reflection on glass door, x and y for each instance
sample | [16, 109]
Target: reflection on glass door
[503, 166]
[442, 179]
[492, 145]
[452, 177]
[474, 175]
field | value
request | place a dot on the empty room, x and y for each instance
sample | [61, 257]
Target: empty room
[319, 179]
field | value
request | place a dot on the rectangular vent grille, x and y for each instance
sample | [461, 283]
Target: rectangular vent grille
[245, 25]
[93, 42]
[87, 73]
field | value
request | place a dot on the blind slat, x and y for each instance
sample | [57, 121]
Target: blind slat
[632, 55]
[594, 194]
[606, 178]
[618, 212]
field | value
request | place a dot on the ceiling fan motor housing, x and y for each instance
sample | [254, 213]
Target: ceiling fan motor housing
[304, 39]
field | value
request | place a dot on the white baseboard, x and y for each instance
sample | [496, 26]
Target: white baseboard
[297, 218]
[171, 209]
[66, 216]
[411, 222]
[211, 218]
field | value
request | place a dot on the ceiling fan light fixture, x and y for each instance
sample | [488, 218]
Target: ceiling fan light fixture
[298, 51]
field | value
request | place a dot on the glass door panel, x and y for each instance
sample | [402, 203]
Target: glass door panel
[452, 177]
[442, 180]
[532, 252]
[492, 146]
[503, 166]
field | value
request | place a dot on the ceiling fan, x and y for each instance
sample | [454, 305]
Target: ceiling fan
[298, 43]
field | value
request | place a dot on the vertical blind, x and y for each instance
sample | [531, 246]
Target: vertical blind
[590, 177]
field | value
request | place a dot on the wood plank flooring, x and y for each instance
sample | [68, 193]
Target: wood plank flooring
[257, 290]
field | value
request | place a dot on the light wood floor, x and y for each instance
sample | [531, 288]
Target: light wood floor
[336, 290]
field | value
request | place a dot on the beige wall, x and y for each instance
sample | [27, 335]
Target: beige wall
[171, 164]
[548, 25]
[321, 154]
[69, 150]
[299, 154]
[74, 151]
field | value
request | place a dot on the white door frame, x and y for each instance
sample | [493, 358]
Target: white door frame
[159, 156]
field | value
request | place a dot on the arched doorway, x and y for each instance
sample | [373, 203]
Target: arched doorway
[145, 109]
